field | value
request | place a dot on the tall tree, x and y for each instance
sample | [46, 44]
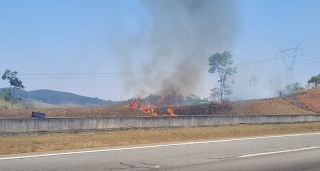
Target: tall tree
[14, 82]
[315, 80]
[214, 95]
[6, 94]
[222, 63]
[193, 99]
[294, 87]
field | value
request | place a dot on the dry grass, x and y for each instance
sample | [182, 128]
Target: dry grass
[274, 106]
[44, 105]
[308, 101]
[304, 103]
[8, 104]
[10, 144]
[100, 111]
[256, 107]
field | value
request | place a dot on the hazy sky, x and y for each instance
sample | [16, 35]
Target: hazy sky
[80, 37]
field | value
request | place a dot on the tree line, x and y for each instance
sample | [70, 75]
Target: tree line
[14, 83]
[15, 93]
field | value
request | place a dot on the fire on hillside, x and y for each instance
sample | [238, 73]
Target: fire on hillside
[162, 101]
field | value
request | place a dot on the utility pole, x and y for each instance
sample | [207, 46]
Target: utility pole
[288, 61]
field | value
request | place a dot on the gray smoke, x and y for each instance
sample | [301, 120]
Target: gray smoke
[178, 41]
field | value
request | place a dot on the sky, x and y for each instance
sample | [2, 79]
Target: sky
[68, 41]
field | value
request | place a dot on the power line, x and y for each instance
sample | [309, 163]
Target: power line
[141, 72]
[116, 74]
[256, 62]
[310, 56]
[307, 64]
[102, 76]
[308, 60]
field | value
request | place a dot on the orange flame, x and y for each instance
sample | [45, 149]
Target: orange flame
[171, 105]
[160, 100]
[134, 103]
[171, 112]
[155, 103]
[147, 109]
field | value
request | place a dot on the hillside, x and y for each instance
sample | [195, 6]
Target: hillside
[60, 98]
[275, 106]
[308, 99]
[306, 102]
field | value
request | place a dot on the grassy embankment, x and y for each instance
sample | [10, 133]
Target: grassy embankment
[302, 102]
[273, 106]
[10, 144]
[99, 111]
[7, 105]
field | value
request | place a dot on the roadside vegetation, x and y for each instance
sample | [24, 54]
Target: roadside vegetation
[10, 144]
[6, 105]
[9, 94]
[296, 99]
[275, 106]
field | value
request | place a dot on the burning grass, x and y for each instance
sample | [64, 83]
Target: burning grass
[302, 103]
[10, 144]
[168, 105]
[276, 106]
[157, 102]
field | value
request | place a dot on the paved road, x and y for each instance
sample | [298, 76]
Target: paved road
[277, 152]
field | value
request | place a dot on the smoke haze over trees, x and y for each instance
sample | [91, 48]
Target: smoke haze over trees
[178, 39]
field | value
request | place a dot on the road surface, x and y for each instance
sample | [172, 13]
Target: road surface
[274, 152]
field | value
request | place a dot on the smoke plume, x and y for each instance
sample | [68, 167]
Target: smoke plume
[178, 41]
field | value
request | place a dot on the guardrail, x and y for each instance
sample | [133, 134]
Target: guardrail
[81, 124]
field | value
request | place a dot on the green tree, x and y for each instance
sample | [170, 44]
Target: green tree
[193, 99]
[227, 90]
[14, 82]
[214, 95]
[293, 87]
[222, 63]
[315, 80]
[6, 94]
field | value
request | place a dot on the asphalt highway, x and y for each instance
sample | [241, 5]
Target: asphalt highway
[275, 152]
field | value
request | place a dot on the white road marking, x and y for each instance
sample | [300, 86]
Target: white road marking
[276, 152]
[155, 146]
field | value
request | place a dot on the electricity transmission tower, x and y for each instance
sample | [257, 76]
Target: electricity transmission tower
[288, 61]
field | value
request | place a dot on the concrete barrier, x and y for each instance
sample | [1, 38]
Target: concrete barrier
[80, 124]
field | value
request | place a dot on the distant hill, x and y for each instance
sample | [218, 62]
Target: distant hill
[60, 98]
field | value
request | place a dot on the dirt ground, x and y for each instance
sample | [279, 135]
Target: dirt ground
[307, 102]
